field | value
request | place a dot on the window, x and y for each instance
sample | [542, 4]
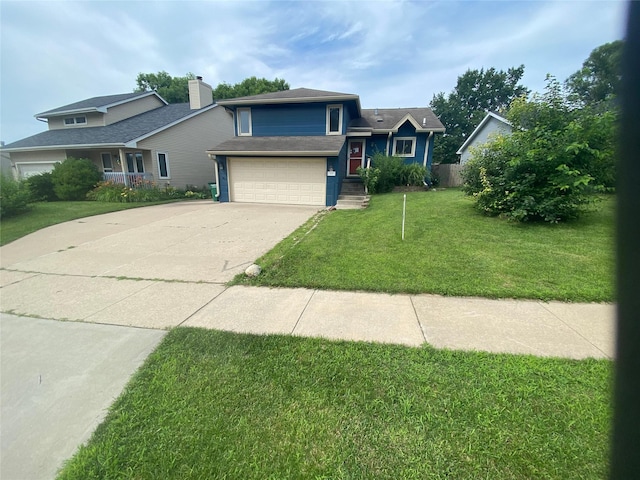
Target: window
[244, 121]
[107, 164]
[404, 146]
[70, 121]
[163, 165]
[135, 162]
[334, 119]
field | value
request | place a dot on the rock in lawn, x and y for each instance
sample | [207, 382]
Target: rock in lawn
[253, 270]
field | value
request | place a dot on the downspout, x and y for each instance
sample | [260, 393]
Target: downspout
[215, 161]
[426, 153]
[388, 144]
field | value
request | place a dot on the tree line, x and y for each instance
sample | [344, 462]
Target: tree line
[176, 89]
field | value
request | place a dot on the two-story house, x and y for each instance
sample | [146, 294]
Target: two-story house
[130, 137]
[299, 146]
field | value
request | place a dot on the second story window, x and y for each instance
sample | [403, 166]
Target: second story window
[334, 119]
[70, 121]
[244, 121]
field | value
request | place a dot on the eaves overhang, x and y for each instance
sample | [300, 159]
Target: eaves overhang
[281, 153]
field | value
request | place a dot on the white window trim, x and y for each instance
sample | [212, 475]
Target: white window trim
[105, 169]
[329, 107]
[413, 147]
[246, 134]
[75, 122]
[166, 159]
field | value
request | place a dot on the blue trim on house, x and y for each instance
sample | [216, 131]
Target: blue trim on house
[223, 175]
[334, 183]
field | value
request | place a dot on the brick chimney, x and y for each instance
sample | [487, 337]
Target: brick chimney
[200, 94]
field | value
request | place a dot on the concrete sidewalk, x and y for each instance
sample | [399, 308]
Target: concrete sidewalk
[511, 326]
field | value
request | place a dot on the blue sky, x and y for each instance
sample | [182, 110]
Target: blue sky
[390, 53]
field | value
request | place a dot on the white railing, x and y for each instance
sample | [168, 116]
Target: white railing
[132, 179]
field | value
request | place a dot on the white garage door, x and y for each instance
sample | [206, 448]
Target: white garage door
[294, 181]
[29, 169]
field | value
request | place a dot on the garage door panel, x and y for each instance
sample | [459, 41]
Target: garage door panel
[278, 180]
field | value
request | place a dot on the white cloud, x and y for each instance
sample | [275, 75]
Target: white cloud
[391, 53]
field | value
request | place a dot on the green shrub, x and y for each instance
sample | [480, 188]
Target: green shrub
[41, 187]
[74, 178]
[388, 172]
[414, 174]
[142, 192]
[369, 178]
[390, 175]
[542, 171]
[14, 196]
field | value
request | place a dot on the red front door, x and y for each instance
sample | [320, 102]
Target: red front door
[356, 154]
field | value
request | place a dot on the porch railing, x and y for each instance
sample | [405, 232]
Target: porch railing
[138, 180]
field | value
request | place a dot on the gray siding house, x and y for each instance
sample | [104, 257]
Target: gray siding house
[131, 137]
[490, 126]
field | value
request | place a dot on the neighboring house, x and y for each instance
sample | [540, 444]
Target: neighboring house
[5, 162]
[131, 137]
[299, 146]
[491, 125]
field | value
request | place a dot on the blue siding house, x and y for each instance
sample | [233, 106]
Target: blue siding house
[300, 146]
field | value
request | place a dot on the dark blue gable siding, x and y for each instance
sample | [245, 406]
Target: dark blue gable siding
[280, 120]
[378, 144]
[296, 119]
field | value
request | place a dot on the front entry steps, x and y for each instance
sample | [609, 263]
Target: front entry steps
[352, 196]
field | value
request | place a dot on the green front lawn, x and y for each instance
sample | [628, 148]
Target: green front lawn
[449, 249]
[45, 214]
[210, 404]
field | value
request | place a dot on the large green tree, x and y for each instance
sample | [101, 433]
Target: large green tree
[249, 86]
[172, 89]
[476, 93]
[176, 89]
[599, 78]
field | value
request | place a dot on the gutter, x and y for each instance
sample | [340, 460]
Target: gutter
[426, 150]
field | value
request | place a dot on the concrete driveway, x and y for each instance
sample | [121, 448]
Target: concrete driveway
[153, 267]
[149, 267]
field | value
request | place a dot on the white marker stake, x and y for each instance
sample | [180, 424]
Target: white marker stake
[404, 209]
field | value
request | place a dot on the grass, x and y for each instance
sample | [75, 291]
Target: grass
[45, 214]
[449, 249]
[210, 404]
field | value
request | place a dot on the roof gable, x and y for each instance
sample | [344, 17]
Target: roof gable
[97, 104]
[480, 127]
[124, 132]
[391, 119]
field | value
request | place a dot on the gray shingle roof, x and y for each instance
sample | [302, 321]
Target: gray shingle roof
[388, 118]
[115, 134]
[93, 103]
[290, 96]
[286, 145]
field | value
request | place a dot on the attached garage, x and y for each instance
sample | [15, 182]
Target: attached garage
[293, 181]
[285, 170]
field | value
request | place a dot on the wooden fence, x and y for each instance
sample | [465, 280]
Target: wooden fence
[448, 173]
